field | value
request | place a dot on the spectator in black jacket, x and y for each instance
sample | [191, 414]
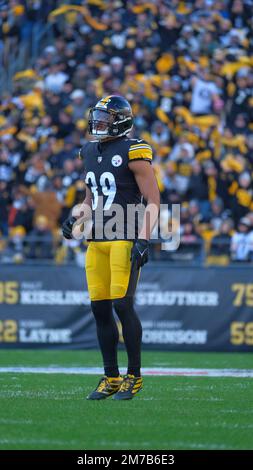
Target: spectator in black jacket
[4, 204]
[40, 240]
[221, 242]
[198, 189]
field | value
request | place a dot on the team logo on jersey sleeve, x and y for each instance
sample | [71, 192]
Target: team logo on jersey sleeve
[116, 160]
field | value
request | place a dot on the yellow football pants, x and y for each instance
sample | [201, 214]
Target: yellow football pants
[108, 269]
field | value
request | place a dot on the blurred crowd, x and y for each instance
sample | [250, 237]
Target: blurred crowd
[187, 70]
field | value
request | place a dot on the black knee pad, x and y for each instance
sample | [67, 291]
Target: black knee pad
[131, 324]
[124, 306]
[101, 308]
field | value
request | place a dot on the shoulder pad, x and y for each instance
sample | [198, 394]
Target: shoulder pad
[139, 150]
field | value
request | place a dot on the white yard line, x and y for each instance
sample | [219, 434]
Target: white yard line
[16, 421]
[117, 444]
[39, 441]
[150, 371]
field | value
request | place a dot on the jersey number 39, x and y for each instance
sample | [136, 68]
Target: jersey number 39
[108, 187]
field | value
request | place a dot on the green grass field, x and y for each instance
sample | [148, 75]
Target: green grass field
[41, 411]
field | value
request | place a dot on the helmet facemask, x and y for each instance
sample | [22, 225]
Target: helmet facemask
[100, 123]
[104, 124]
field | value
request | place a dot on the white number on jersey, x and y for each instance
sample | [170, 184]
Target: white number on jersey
[108, 186]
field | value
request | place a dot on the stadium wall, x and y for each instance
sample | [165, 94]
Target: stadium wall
[181, 308]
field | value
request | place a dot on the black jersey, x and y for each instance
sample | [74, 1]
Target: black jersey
[112, 183]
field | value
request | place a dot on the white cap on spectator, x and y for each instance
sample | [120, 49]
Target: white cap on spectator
[238, 33]
[189, 149]
[243, 72]
[187, 28]
[40, 85]
[105, 68]
[116, 60]
[50, 50]
[245, 221]
[245, 176]
[85, 29]
[76, 94]
[6, 137]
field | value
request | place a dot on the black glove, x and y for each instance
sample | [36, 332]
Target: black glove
[67, 227]
[139, 253]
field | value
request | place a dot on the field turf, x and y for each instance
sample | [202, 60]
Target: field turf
[49, 411]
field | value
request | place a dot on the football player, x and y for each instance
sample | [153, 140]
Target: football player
[117, 171]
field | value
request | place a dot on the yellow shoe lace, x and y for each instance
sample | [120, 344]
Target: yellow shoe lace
[127, 383]
[105, 382]
[102, 385]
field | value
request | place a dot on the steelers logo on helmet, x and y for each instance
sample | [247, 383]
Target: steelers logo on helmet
[111, 117]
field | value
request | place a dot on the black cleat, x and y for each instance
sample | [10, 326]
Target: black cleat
[107, 386]
[129, 387]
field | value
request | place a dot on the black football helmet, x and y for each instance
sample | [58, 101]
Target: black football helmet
[111, 117]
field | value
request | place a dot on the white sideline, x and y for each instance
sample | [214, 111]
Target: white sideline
[150, 371]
